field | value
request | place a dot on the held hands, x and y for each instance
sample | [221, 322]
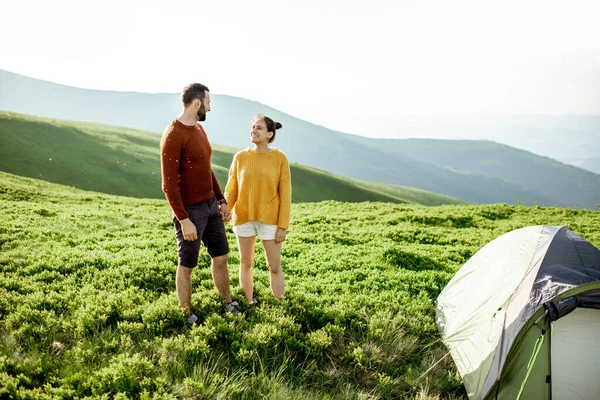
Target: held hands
[188, 229]
[279, 235]
[225, 214]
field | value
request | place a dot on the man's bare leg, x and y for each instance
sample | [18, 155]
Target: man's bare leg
[220, 275]
[183, 286]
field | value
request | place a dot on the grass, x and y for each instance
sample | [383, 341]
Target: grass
[124, 161]
[88, 309]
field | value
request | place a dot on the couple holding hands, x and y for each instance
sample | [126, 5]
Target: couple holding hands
[257, 200]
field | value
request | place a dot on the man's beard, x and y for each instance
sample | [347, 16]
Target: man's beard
[201, 113]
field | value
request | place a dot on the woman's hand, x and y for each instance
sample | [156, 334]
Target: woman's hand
[279, 235]
[225, 214]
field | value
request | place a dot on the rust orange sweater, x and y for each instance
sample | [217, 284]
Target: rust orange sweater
[187, 176]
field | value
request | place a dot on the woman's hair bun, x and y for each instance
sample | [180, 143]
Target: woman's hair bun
[278, 125]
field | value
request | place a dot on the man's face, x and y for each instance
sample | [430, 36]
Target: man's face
[203, 106]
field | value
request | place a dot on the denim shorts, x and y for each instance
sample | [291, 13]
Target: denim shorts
[211, 231]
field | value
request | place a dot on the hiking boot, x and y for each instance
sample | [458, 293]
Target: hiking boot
[253, 303]
[233, 308]
[193, 319]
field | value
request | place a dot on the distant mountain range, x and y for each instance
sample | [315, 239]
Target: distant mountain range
[474, 171]
[591, 164]
[125, 161]
[572, 139]
[538, 174]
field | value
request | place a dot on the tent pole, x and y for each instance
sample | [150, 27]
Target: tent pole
[549, 376]
[500, 356]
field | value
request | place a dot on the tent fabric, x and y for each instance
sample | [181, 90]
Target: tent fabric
[559, 309]
[591, 301]
[519, 309]
[576, 364]
[470, 312]
[524, 376]
[567, 261]
[562, 308]
[496, 303]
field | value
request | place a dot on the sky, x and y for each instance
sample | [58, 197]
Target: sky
[361, 67]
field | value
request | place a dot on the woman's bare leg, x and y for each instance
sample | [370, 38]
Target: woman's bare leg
[273, 254]
[246, 247]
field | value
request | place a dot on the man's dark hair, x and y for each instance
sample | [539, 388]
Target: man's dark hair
[192, 92]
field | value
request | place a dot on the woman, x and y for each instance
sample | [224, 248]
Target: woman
[259, 194]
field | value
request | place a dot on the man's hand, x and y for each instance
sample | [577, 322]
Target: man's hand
[279, 235]
[188, 229]
[225, 214]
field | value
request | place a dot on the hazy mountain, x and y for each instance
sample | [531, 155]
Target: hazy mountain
[539, 174]
[309, 144]
[568, 138]
[591, 164]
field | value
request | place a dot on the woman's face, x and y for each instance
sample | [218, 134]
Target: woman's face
[259, 133]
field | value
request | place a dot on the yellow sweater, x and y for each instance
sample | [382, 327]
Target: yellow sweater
[260, 188]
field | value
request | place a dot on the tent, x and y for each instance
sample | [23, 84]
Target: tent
[521, 318]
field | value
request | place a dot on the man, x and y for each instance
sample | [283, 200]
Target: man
[195, 197]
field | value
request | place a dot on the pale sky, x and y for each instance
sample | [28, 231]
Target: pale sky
[356, 66]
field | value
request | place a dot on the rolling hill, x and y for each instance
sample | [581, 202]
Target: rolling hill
[125, 161]
[316, 146]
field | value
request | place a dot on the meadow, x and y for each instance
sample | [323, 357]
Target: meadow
[88, 309]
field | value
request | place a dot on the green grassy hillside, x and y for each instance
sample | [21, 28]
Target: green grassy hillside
[88, 309]
[125, 161]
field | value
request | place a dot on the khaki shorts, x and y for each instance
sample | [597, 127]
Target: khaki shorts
[256, 228]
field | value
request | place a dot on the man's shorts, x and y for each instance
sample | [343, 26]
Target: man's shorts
[256, 228]
[211, 230]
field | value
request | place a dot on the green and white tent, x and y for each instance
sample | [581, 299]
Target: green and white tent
[521, 318]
